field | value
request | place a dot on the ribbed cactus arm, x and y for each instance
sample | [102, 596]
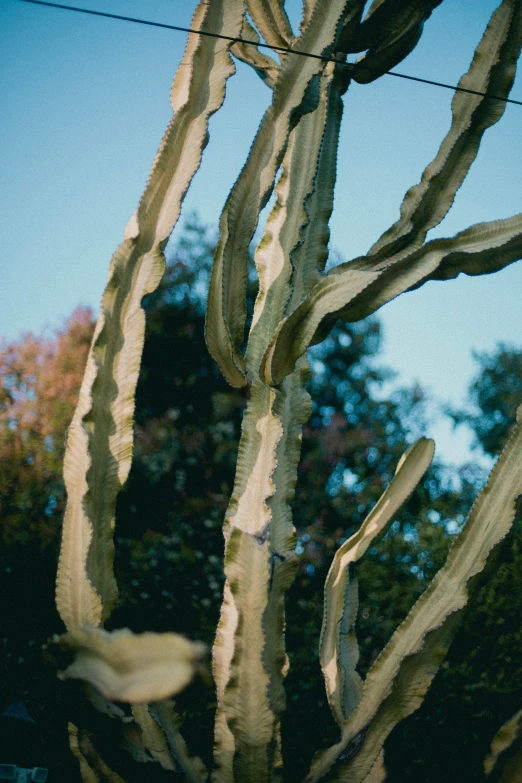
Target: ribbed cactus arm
[245, 721]
[338, 650]
[357, 289]
[259, 530]
[400, 677]
[315, 140]
[265, 66]
[389, 31]
[244, 715]
[504, 762]
[492, 70]
[99, 443]
[323, 128]
[226, 307]
[272, 21]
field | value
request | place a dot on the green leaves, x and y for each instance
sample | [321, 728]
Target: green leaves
[338, 650]
[99, 443]
[135, 668]
[397, 682]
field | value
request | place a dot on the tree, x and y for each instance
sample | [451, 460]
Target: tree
[493, 396]
[41, 377]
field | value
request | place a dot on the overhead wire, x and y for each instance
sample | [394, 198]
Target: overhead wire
[284, 49]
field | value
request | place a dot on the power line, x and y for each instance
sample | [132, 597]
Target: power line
[264, 45]
[184, 30]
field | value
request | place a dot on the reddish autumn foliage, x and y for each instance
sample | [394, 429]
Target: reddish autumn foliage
[40, 378]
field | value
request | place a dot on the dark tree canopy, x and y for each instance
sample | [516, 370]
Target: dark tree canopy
[495, 395]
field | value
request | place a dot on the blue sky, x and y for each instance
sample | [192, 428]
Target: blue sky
[85, 102]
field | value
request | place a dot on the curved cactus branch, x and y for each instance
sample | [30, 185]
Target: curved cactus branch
[390, 31]
[357, 289]
[338, 650]
[504, 763]
[293, 97]
[492, 70]
[91, 763]
[99, 442]
[263, 65]
[271, 19]
[388, 20]
[400, 677]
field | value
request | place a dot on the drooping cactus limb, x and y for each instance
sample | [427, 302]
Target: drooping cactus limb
[504, 763]
[338, 646]
[387, 20]
[357, 289]
[399, 679]
[99, 443]
[390, 31]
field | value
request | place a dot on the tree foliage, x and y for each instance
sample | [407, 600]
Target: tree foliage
[40, 379]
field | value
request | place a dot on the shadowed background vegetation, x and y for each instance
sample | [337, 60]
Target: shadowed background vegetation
[169, 544]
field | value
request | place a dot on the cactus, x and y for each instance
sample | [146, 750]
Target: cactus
[504, 763]
[293, 156]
